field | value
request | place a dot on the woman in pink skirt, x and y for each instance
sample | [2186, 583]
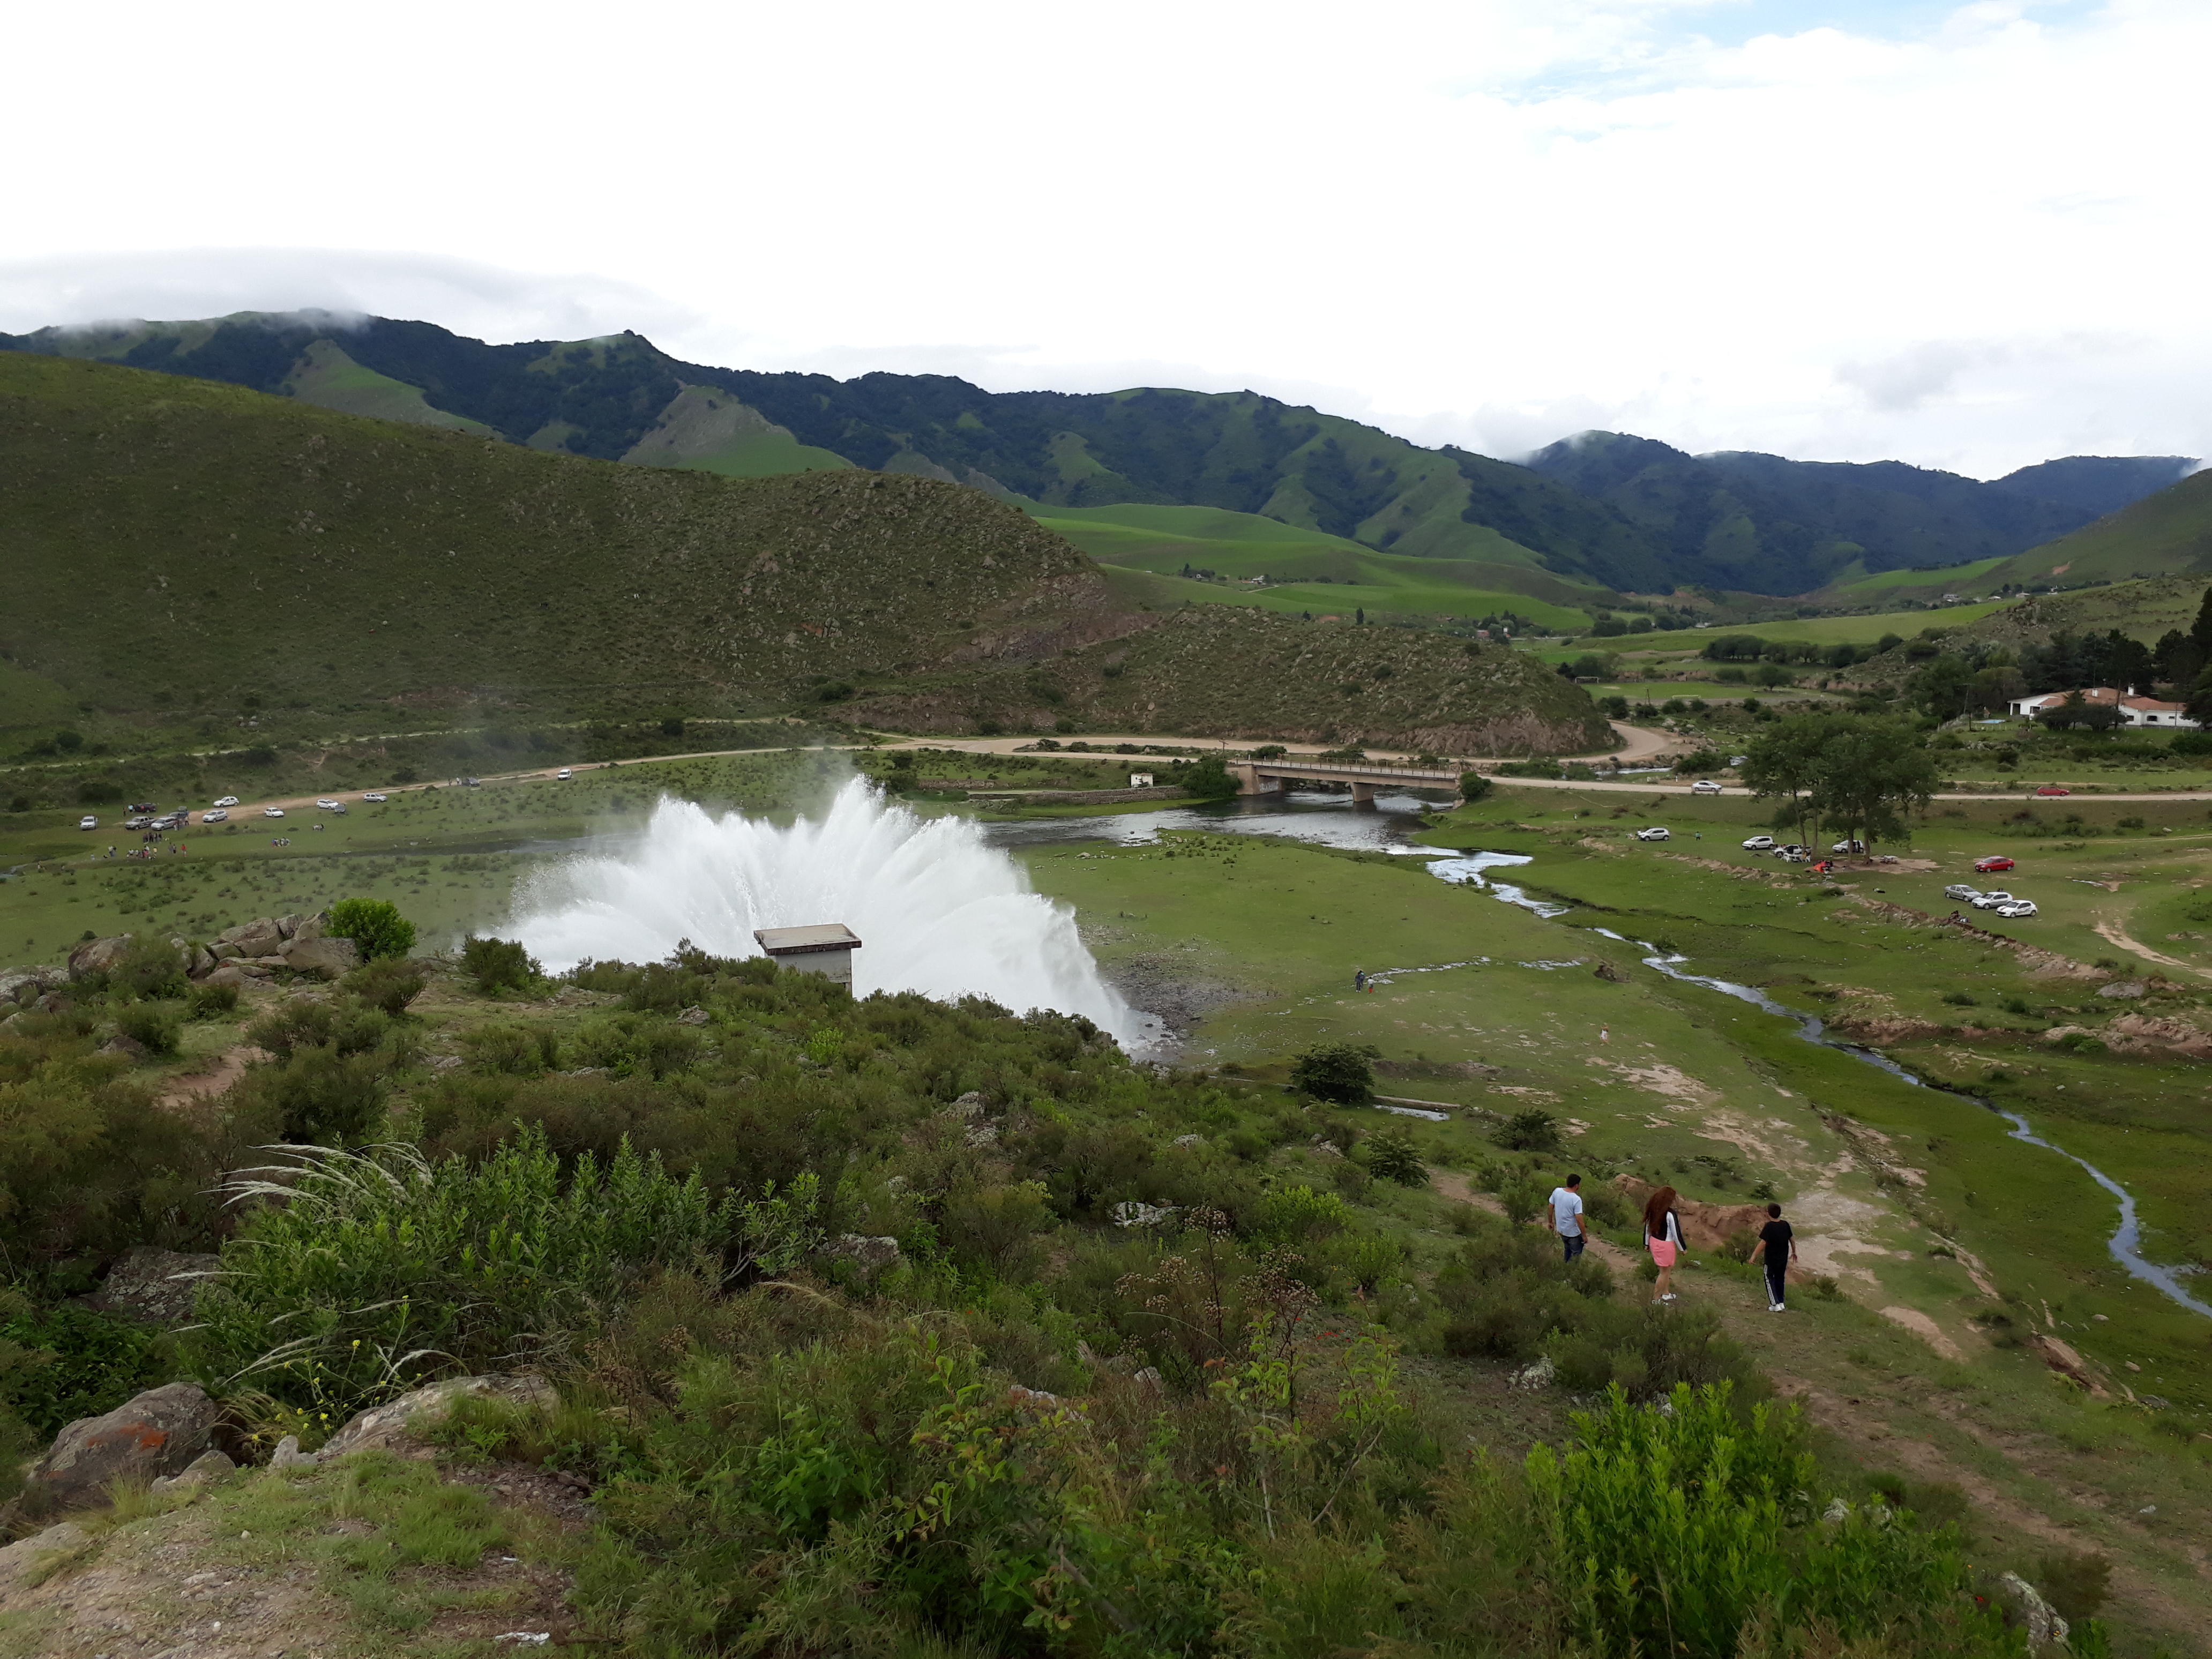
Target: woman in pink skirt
[1663, 1231]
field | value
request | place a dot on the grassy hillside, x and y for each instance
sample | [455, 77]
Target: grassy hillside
[175, 544]
[1217, 669]
[2158, 536]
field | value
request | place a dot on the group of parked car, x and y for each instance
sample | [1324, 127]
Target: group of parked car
[142, 813]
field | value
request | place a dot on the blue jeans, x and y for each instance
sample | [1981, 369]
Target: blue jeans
[1574, 1243]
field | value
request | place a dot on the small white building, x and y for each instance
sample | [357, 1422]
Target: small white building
[825, 949]
[1140, 780]
[2029, 707]
[2149, 711]
[2135, 711]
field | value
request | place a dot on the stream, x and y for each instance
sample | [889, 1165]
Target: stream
[1334, 821]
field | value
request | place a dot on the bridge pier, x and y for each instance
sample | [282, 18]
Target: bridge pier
[1363, 794]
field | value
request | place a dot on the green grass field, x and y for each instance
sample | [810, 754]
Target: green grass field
[1957, 578]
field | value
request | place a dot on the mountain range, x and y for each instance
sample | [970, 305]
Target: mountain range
[1581, 522]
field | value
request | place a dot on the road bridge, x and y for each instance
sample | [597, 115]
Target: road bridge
[1260, 777]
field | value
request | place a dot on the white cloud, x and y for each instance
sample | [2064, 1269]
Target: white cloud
[1463, 221]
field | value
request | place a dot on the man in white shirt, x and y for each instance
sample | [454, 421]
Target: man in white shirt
[1567, 1215]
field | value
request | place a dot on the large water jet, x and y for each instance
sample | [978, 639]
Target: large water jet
[942, 912]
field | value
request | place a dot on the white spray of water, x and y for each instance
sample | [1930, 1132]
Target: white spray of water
[937, 910]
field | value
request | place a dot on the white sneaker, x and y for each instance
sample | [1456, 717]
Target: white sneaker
[1670, 1296]
[1774, 1307]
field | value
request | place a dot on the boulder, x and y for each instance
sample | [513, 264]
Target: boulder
[288, 925]
[126, 1047]
[288, 1455]
[388, 1426]
[257, 938]
[151, 1286]
[98, 956]
[2044, 1627]
[207, 1465]
[693, 1016]
[222, 950]
[328, 956]
[160, 1432]
[871, 1255]
[199, 962]
[315, 927]
[231, 974]
[2126, 989]
[27, 984]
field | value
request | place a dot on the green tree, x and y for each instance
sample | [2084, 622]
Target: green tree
[1341, 1071]
[375, 925]
[1850, 772]
[499, 965]
[1211, 779]
[1474, 786]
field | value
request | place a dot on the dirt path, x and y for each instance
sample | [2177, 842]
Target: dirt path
[191, 1088]
[2111, 931]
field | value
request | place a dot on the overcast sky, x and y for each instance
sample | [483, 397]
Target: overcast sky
[1970, 237]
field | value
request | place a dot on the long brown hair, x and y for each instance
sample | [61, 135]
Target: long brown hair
[1655, 1211]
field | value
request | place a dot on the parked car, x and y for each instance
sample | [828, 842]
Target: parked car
[328, 805]
[272, 812]
[1990, 900]
[2017, 910]
[564, 775]
[137, 823]
[1790, 849]
[169, 820]
[472, 783]
[2053, 789]
[1701, 786]
[1654, 833]
[1759, 844]
[1986, 867]
[88, 822]
[1961, 891]
[214, 815]
[376, 795]
[1849, 846]
[145, 806]
[226, 800]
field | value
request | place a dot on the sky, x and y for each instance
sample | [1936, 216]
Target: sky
[1969, 237]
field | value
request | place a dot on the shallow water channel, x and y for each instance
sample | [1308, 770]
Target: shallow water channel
[1334, 821]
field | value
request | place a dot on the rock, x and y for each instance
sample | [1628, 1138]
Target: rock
[693, 1016]
[26, 984]
[229, 973]
[1541, 1375]
[19, 1558]
[257, 938]
[983, 1134]
[871, 1255]
[328, 956]
[1131, 1213]
[2044, 1627]
[315, 927]
[126, 1047]
[207, 1465]
[288, 1455]
[99, 956]
[201, 962]
[13, 1023]
[445, 1063]
[1149, 1377]
[53, 1002]
[288, 925]
[2128, 989]
[222, 950]
[1606, 970]
[151, 1286]
[388, 1426]
[1190, 1140]
[160, 1432]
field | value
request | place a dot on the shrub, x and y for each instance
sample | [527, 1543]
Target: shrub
[148, 968]
[155, 1024]
[213, 1001]
[375, 925]
[1531, 1131]
[309, 1022]
[387, 983]
[1295, 1215]
[499, 965]
[1522, 1195]
[1390, 1155]
[1474, 786]
[321, 1094]
[60, 1364]
[1339, 1072]
[1210, 780]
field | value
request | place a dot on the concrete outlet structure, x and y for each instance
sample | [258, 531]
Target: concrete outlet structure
[825, 949]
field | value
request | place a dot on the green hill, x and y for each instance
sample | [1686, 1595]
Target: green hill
[2168, 533]
[193, 556]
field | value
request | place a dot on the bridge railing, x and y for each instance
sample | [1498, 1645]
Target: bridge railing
[1307, 763]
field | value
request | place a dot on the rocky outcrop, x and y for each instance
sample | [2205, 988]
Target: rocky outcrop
[329, 957]
[28, 985]
[258, 938]
[869, 1256]
[388, 1425]
[21, 1559]
[160, 1432]
[150, 1286]
[98, 956]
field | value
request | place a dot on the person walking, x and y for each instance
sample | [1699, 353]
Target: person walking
[1359, 980]
[1663, 1231]
[1567, 1215]
[1779, 1244]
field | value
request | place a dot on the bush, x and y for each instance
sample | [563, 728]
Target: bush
[1210, 780]
[375, 925]
[60, 1364]
[387, 983]
[213, 1001]
[1474, 786]
[1340, 1072]
[499, 965]
[154, 1025]
[1531, 768]
[148, 968]
[1390, 1155]
[1532, 1131]
[321, 1094]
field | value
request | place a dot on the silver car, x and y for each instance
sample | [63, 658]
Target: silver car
[1961, 892]
[1990, 900]
[2017, 909]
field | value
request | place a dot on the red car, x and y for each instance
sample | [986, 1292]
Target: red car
[1991, 867]
[2053, 789]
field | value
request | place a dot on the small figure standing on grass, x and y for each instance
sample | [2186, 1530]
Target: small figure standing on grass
[1663, 1231]
[1359, 980]
[1567, 1215]
[1780, 1245]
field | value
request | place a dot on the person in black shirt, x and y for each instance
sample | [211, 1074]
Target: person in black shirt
[1779, 1246]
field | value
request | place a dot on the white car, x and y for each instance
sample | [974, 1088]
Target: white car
[328, 806]
[1964, 894]
[1759, 844]
[1849, 846]
[88, 822]
[564, 775]
[215, 816]
[1654, 833]
[1990, 900]
[272, 812]
[376, 795]
[226, 800]
[2017, 909]
[1705, 786]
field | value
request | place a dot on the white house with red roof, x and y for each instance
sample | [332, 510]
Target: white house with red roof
[2135, 711]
